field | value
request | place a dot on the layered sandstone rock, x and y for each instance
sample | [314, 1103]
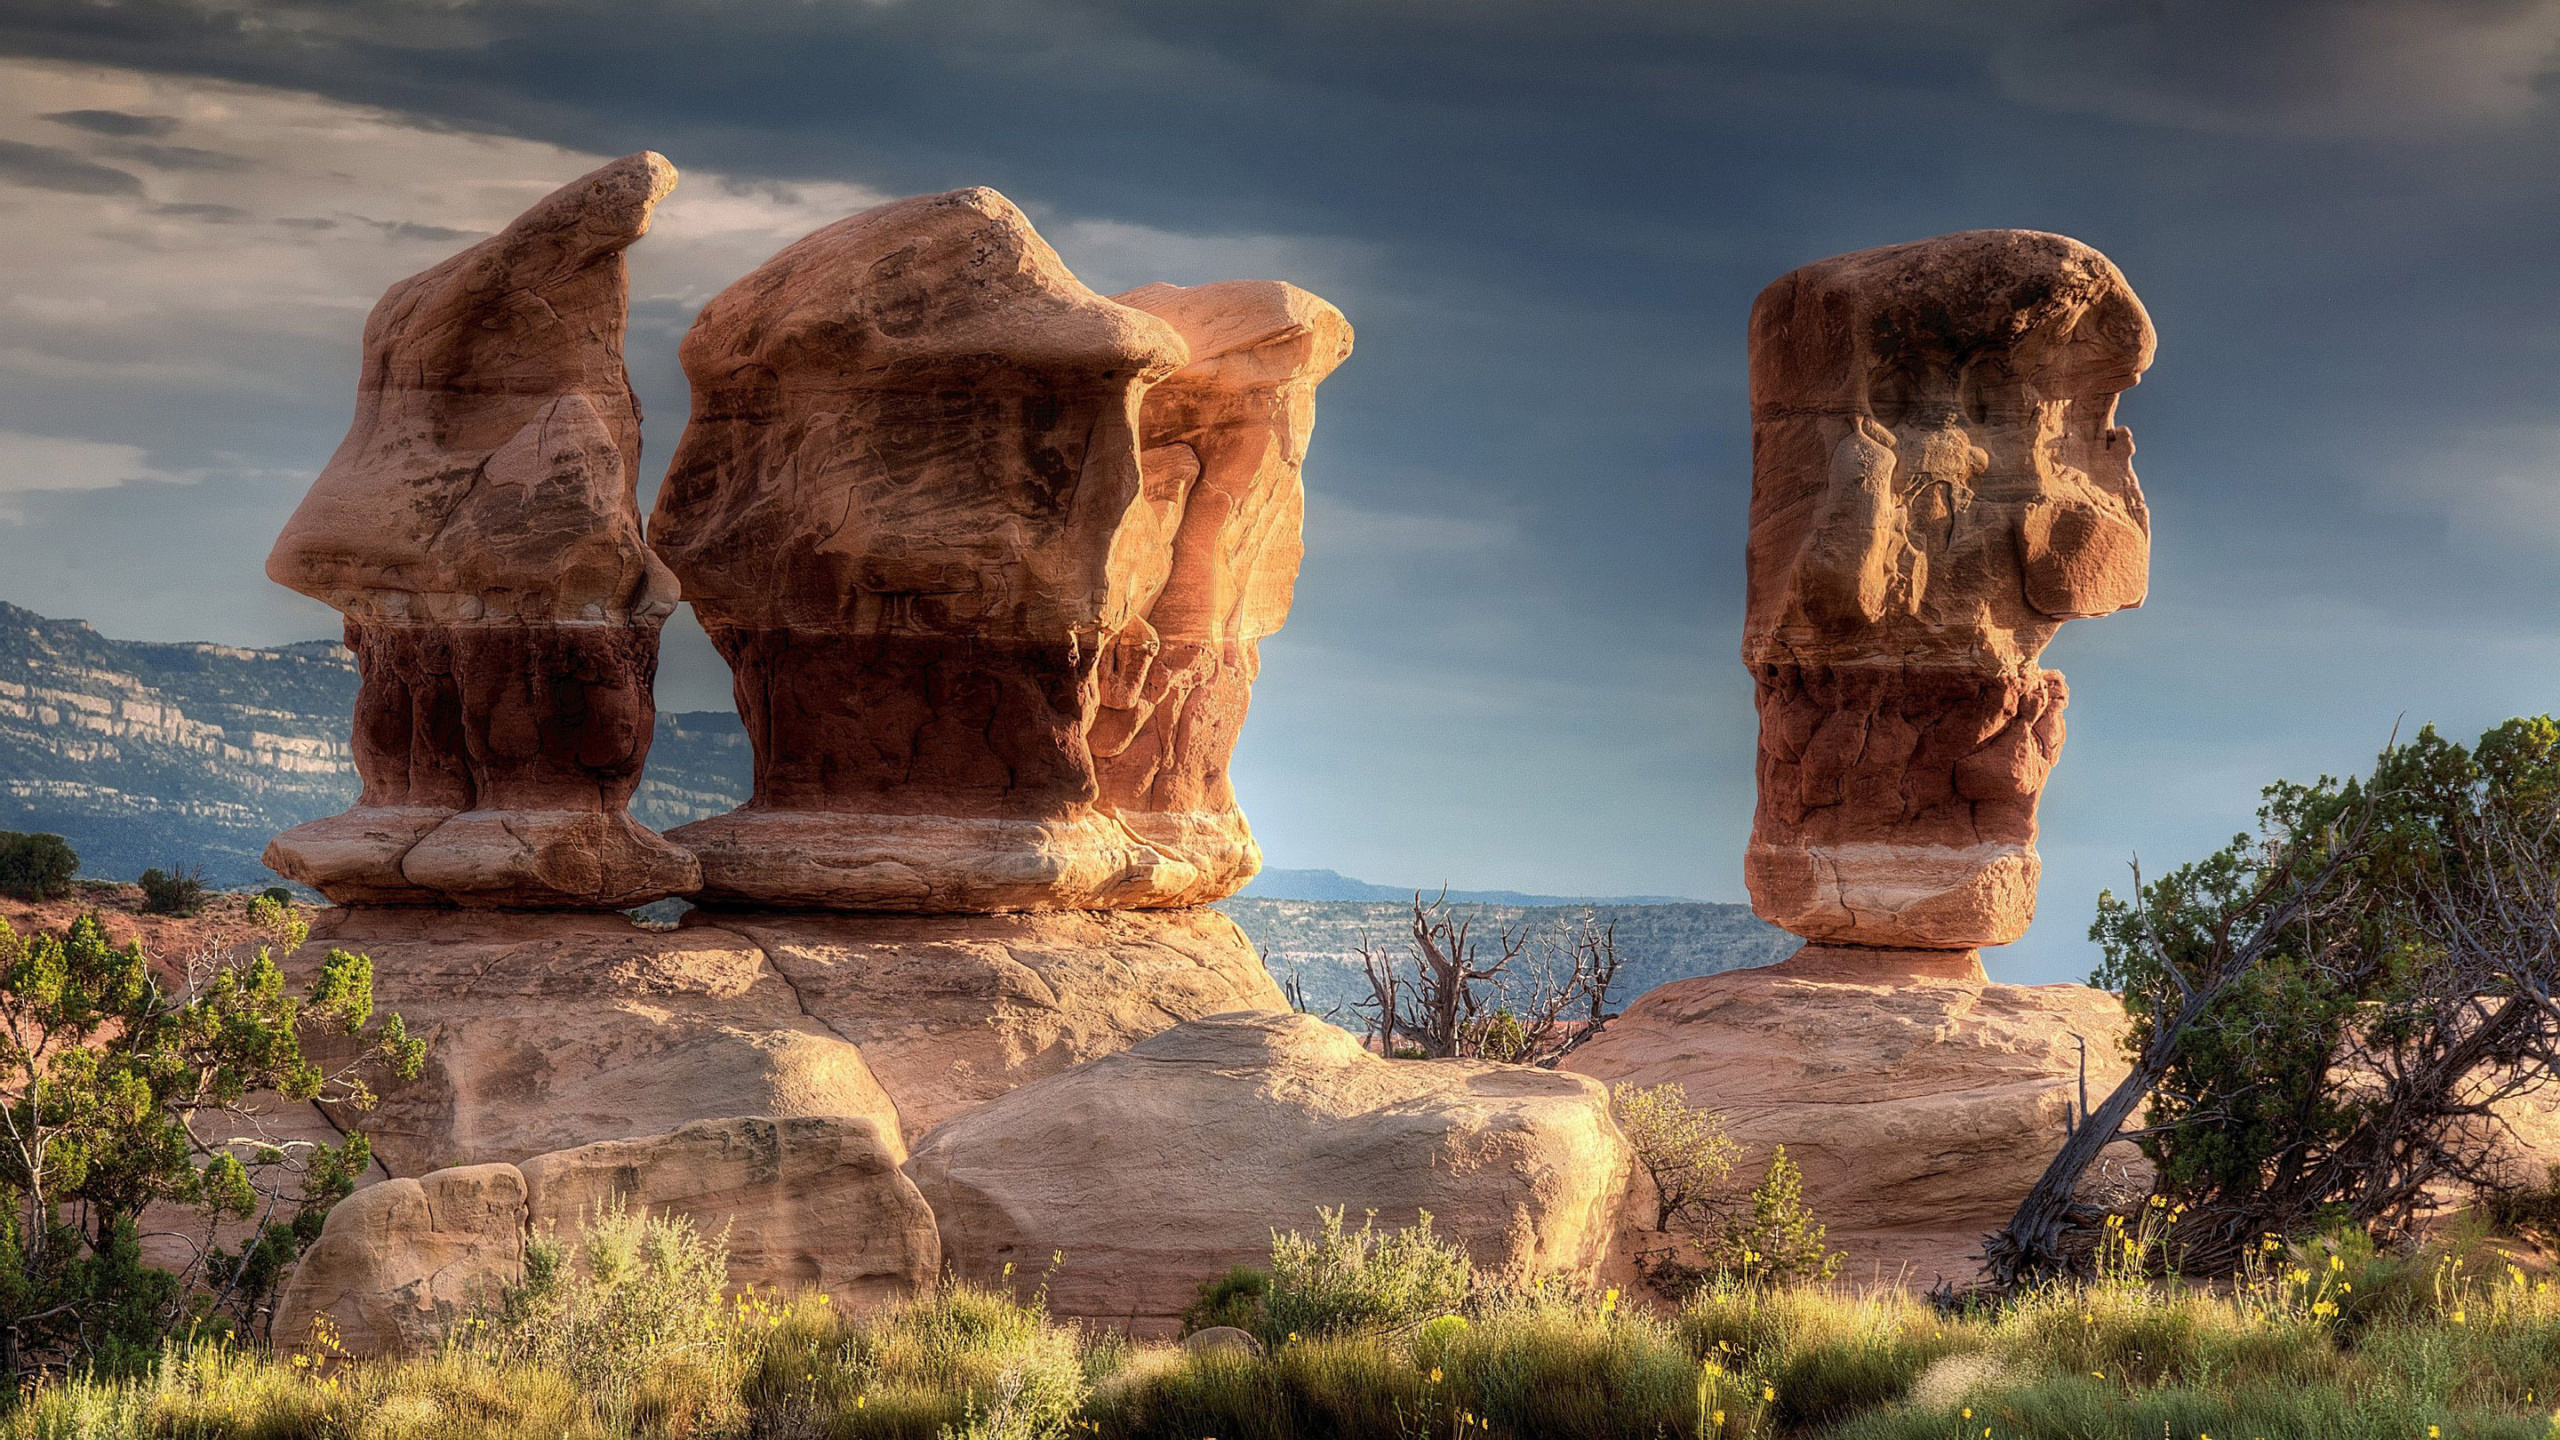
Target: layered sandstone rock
[808, 1203]
[1207, 562]
[478, 528]
[912, 450]
[1175, 1159]
[398, 1262]
[1938, 483]
[1920, 1099]
[549, 1032]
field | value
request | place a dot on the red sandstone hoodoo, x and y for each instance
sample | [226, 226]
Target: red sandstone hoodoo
[479, 530]
[1938, 482]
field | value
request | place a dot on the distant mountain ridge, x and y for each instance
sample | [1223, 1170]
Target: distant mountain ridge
[1334, 885]
[144, 753]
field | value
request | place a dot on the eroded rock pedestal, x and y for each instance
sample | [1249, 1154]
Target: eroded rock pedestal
[1921, 1099]
[927, 493]
[478, 529]
[1938, 483]
[913, 444]
[548, 1032]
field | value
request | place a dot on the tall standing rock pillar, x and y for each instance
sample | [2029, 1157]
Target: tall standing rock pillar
[1938, 482]
[479, 530]
[913, 448]
[1209, 561]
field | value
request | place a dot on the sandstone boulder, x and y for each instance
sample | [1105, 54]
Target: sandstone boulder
[399, 1261]
[1921, 1099]
[550, 1032]
[1938, 482]
[813, 1202]
[479, 530]
[913, 446]
[1207, 562]
[1167, 1163]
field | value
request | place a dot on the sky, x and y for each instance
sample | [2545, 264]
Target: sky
[1513, 658]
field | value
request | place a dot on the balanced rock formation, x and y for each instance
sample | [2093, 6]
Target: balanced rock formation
[1938, 483]
[1207, 563]
[913, 447]
[398, 1262]
[479, 530]
[810, 1203]
[1921, 1100]
[548, 1032]
[1175, 1159]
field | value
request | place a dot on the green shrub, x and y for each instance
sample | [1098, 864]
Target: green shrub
[1234, 1298]
[1780, 1243]
[277, 894]
[36, 867]
[172, 893]
[1340, 1281]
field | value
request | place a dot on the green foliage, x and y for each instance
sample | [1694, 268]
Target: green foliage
[106, 1076]
[1341, 1281]
[36, 867]
[1683, 1150]
[166, 892]
[2466, 1354]
[1234, 1298]
[1780, 1243]
[2247, 1112]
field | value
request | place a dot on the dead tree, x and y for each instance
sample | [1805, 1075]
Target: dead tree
[1523, 995]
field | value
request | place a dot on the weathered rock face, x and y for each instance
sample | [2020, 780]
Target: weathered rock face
[554, 1031]
[1167, 1163]
[1921, 1099]
[1207, 561]
[478, 528]
[1938, 483]
[810, 1203]
[398, 1262]
[551, 1031]
[913, 446]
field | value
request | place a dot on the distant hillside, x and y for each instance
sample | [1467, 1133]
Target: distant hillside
[1316, 942]
[148, 754]
[1334, 885]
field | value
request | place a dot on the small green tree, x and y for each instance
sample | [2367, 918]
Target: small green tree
[1781, 1244]
[119, 1092]
[36, 867]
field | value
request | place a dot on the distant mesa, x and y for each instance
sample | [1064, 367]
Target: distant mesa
[1332, 885]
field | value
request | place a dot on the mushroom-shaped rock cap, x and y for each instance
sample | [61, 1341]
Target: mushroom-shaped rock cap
[1247, 332]
[489, 470]
[1971, 318]
[914, 294]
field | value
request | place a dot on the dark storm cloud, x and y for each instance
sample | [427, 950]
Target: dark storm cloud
[47, 168]
[114, 122]
[1561, 213]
